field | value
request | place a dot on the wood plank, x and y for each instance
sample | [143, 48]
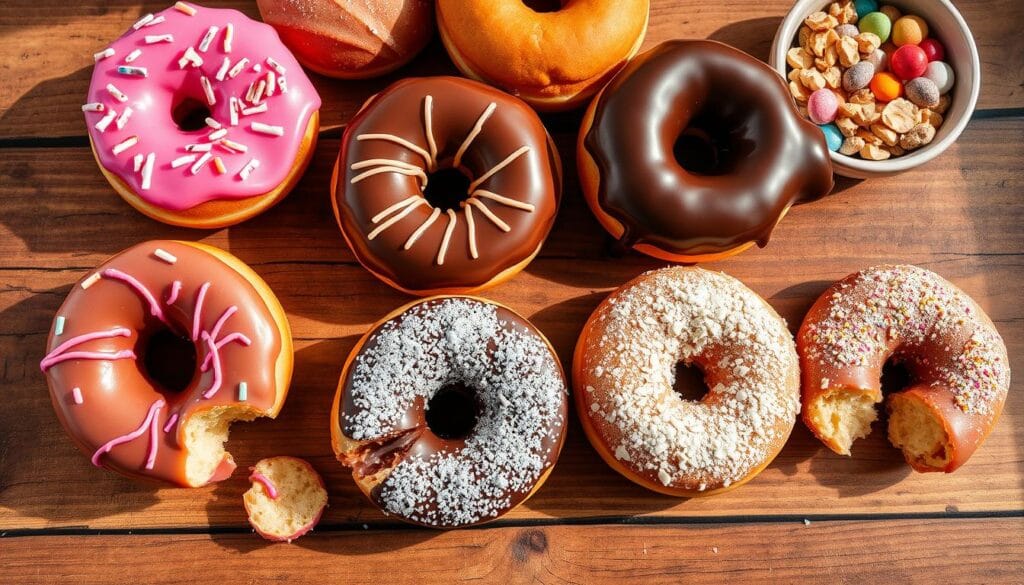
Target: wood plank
[962, 216]
[986, 551]
[46, 49]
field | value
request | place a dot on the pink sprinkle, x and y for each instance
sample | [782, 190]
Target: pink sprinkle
[200, 297]
[89, 355]
[175, 289]
[52, 358]
[154, 306]
[150, 419]
[226, 340]
[217, 376]
[170, 423]
[220, 322]
[76, 393]
[153, 439]
[268, 486]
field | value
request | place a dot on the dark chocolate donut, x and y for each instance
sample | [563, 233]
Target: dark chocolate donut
[695, 150]
[481, 225]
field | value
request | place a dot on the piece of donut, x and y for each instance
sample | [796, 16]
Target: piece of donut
[354, 39]
[695, 151]
[554, 55]
[625, 367]
[450, 412]
[445, 185]
[947, 344]
[200, 117]
[286, 499]
[157, 351]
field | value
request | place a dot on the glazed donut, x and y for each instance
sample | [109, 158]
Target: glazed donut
[286, 499]
[954, 357]
[155, 353]
[351, 40]
[624, 371]
[200, 117]
[695, 151]
[552, 59]
[450, 412]
[445, 186]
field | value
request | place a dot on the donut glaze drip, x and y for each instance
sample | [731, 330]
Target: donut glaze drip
[764, 157]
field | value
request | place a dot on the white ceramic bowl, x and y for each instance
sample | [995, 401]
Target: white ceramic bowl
[945, 24]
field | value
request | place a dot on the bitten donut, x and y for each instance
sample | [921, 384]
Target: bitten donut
[155, 353]
[200, 117]
[450, 412]
[554, 55]
[695, 151]
[624, 374]
[286, 499]
[445, 186]
[950, 349]
[351, 39]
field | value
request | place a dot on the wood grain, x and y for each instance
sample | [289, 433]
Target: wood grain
[46, 49]
[988, 551]
[962, 216]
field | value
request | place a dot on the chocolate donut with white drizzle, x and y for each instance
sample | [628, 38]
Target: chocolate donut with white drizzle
[445, 185]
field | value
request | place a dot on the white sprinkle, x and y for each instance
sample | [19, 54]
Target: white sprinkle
[76, 393]
[257, 96]
[108, 52]
[182, 161]
[249, 167]
[807, 522]
[271, 83]
[238, 68]
[208, 90]
[156, 20]
[229, 35]
[198, 147]
[190, 56]
[213, 124]
[275, 66]
[208, 38]
[105, 122]
[249, 92]
[133, 55]
[217, 135]
[233, 146]
[147, 171]
[165, 255]
[137, 161]
[153, 39]
[233, 107]
[185, 8]
[282, 84]
[142, 21]
[201, 162]
[257, 68]
[133, 71]
[255, 109]
[117, 93]
[92, 107]
[123, 118]
[91, 280]
[223, 69]
[58, 325]
[125, 144]
[267, 129]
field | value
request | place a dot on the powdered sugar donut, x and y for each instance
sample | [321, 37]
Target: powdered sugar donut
[200, 117]
[625, 368]
[450, 412]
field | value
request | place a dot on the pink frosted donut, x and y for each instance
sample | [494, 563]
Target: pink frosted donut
[200, 117]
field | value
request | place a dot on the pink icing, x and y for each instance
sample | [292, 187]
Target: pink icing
[170, 422]
[218, 377]
[239, 337]
[175, 291]
[152, 99]
[149, 423]
[60, 353]
[154, 306]
[268, 485]
[198, 313]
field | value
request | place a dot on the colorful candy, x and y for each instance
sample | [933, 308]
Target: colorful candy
[847, 30]
[923, 92]
[822, 106]
[909, 30]
[876, 23]
[858, 76]
[908, 62]
[878, 58]
[864, 7]
[833, 137]
[941, 74]
[933, 49]
[886, 87]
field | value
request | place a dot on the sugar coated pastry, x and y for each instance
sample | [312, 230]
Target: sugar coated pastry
[537, 50]
[445, 185]
[694, 152]
[286, 499]
[351, 39]
[200, 117]
[951, 350]
[154, 353]
[450, 412]
[625, 367]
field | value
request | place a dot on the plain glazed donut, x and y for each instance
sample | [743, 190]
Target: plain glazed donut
[200, 117]
[695, 151]
[624, 371]
[450, 412]
[421, 235]
[951, 350]
[155, 353]
[553, 60]
[351, 39]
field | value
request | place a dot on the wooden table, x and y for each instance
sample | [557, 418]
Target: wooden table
[812, 515]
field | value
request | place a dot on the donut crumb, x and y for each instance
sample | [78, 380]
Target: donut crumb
[914, 428]
[205, 433]
[842, 416]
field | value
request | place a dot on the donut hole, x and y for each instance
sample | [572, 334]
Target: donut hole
[168, 360]
[447, 188]
[453, 411]
[896, 377]
[542, 6]
[711, 145]
[688, 382]
[190, 114]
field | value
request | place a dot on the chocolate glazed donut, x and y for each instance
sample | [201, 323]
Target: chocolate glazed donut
[695, 151]
[445, 185]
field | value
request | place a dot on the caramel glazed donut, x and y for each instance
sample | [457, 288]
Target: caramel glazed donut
[695, 151]
[450, 412]
[157, 351]
[624, 371]
[953, 354]
[444, 185]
